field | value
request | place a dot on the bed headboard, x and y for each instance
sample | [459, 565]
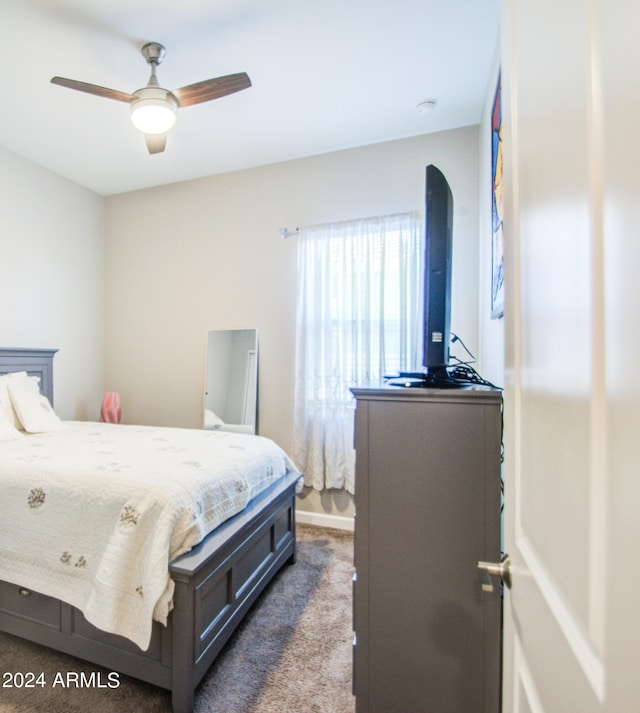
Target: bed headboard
[36, 362]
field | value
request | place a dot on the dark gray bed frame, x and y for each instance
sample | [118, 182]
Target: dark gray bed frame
[216, 584]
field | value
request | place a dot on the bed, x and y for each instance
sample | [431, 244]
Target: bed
[212, 584]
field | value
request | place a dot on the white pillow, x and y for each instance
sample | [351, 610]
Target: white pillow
[34, 410]
[212, 420]
[30, 383]
[8, 432]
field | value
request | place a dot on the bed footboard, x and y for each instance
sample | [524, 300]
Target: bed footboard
[219, 580]
[216, 584]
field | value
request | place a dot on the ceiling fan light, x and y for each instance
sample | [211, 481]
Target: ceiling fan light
[153, 112]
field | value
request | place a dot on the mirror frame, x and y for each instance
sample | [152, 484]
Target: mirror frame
[231, 381]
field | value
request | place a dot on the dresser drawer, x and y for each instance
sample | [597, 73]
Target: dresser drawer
[26, 604]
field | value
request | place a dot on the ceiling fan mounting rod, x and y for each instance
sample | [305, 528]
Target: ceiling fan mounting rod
[154, 53]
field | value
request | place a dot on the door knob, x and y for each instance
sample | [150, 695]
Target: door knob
[500, 569]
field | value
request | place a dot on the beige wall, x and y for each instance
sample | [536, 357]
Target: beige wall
[207, 254]
[168, 264]
[52, 285]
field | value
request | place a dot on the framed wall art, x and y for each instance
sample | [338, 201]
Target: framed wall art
[497, 208]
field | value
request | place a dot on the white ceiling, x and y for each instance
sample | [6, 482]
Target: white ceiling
[326, 74]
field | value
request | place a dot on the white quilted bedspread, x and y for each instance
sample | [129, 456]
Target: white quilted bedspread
[93, 514]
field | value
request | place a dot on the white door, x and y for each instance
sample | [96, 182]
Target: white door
[571, 117]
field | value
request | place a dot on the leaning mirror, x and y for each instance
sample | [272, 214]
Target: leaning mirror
[231, 386]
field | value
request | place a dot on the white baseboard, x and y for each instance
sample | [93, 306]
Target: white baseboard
[340, 522]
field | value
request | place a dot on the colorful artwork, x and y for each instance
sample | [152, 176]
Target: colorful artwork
[497, 253]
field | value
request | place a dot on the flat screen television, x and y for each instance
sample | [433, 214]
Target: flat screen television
[439, 369]
[437, 279]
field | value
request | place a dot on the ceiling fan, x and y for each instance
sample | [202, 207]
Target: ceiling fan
[153, 108]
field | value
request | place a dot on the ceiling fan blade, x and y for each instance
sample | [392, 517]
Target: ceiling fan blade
[155, 142]
[212, 89]
[93, 89]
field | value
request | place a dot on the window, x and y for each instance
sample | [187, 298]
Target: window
[359, 308]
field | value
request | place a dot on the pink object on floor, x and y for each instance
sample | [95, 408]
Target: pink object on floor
[110, 411]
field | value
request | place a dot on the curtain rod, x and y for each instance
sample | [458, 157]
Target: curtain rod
[293, 232]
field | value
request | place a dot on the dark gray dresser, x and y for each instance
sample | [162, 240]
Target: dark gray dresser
[427, 636]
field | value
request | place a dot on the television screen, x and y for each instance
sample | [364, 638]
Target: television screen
[437, 277]
[440, 370]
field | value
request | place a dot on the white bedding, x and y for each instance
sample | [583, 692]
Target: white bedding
[92, 514]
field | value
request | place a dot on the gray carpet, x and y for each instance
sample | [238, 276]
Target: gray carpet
[292, 653]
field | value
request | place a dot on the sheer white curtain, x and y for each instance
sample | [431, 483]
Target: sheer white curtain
[359, 314]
